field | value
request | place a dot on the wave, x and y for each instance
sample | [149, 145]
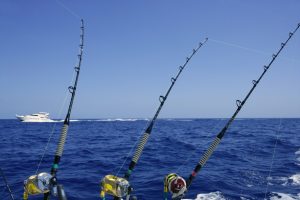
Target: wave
[54, 121]
[285, 181]
[210, 196]
[103, 120]
[185, 120]
[178, 119]
[74, 120]
[241, 119]
[295, 179]
[61, 120]
[120, 119]
[283, 196]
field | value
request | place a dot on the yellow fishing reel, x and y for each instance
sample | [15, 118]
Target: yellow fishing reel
[37, 184]
[115, 186]
[175, 185]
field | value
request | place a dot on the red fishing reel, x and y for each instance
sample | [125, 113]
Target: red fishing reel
[174, 184]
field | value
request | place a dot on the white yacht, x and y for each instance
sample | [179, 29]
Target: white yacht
[37, 117]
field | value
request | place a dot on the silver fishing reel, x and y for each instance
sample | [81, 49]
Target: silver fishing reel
[37, 184]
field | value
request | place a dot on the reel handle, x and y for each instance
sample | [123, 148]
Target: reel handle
[61, 193]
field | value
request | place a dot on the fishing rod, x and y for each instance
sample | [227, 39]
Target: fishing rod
[178, 186]
[6, 184]
[44, 183]
[120, 187]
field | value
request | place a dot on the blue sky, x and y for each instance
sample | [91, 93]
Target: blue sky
[134, 47]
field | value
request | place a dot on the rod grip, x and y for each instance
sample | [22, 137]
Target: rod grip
[62, 140]
[140, 147]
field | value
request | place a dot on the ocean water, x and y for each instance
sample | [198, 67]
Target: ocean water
[257, 158]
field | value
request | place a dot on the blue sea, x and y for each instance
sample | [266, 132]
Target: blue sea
[257, 158]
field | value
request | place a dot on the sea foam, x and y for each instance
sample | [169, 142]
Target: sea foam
[283, 196]
[211, 196]
[295, 179]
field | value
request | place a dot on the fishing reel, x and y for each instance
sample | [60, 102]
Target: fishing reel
[37, 184]
[175, 185]
[115, 186]
[43, 183]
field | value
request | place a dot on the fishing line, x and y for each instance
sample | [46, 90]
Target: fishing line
[273, 156]
[130, 152]
[249, 174]
[239, 47]
[194, 152]
[68, 9]
[6, 183]
[54, 126]
[134, 146]
[250, 49]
